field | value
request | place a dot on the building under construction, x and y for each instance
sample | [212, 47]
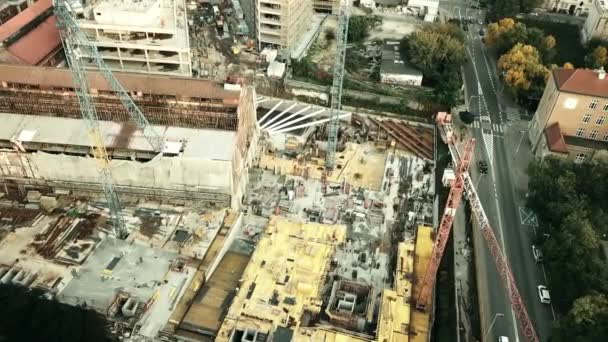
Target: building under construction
[210, 134]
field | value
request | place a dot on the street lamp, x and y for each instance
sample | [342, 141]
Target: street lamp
[491, 325]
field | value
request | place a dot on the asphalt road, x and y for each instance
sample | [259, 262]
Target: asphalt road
[502, 192]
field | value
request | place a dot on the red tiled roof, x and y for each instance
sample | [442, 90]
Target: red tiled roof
[580, 81]
[38, 43]
[555, 139]
[26, 16]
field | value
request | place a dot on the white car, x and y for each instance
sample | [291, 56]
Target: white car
[543, 294]
[538, 254]
[503, 339]
[486, 124]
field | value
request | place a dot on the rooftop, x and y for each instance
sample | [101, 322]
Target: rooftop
[146, 84]
[73, 132]
[392, 62]
[555, 139]
[421, 321]
[585, 142]
[31, 35]
[139, 271]
[581, 81]
[284, 277]
[395, 311]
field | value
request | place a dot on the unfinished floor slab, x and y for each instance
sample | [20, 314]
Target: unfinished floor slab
[115, 266]
[358, 165]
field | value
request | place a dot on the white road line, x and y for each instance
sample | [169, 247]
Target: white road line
[489, 152]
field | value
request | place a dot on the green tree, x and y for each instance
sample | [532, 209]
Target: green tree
[359, 26]
[438, 51]
[587, 321]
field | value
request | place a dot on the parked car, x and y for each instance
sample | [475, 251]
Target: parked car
[543, 294]
[538, 254]
[465, 27]
[481, 32]
[503, 339]
[483, 167]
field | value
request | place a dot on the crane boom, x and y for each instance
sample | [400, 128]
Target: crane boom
[86, 49]
[89, 114]
[336, 86]
[443, 232]
[502, 265]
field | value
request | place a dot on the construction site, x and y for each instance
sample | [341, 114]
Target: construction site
[234, 232]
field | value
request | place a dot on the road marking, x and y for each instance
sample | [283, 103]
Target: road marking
[527, 217]
[504, 250]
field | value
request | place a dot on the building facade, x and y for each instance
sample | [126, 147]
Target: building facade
[282, 23]
[572, 117]
[572, 7]
[148, 36]
[596, 25]
[326, 6]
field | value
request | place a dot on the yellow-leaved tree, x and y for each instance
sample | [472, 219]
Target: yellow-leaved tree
[522, 66]
[497, 29]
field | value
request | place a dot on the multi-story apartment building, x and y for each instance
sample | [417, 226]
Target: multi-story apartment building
[572, 7]
[596, 25]
[145, 36]
[282, 23]
[572, 117]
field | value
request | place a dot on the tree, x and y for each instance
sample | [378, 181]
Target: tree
[568, 65]
[495, 30]
[587, 321]
[523, 72]
[438, 51]
[598, 58]
[509, 8]
[359, 26]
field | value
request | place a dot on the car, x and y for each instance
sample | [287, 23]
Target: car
[534, 14]
[486, 125]
[538, 254]
[483, 167]
[480, 22]
[543, 294]
[503, 339]
[465, 27]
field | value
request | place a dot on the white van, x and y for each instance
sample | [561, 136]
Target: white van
[503, 339]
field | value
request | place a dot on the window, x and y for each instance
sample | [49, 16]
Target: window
[593, 134]
[580, 132]
[580, 158]
[593, 104]
[586, 118]
[600, 121]
[605, 137]
[605, 109]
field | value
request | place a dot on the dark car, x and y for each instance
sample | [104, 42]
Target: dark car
[465, 27]
[481, 32]
[483, 167]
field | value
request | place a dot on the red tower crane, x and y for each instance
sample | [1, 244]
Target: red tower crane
[443, 232]
[463, 180]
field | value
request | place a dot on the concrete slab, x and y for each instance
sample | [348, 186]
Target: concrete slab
[140, 272]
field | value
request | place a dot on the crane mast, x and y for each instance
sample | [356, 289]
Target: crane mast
[77, 47]
[502, 265]
[336, 87]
